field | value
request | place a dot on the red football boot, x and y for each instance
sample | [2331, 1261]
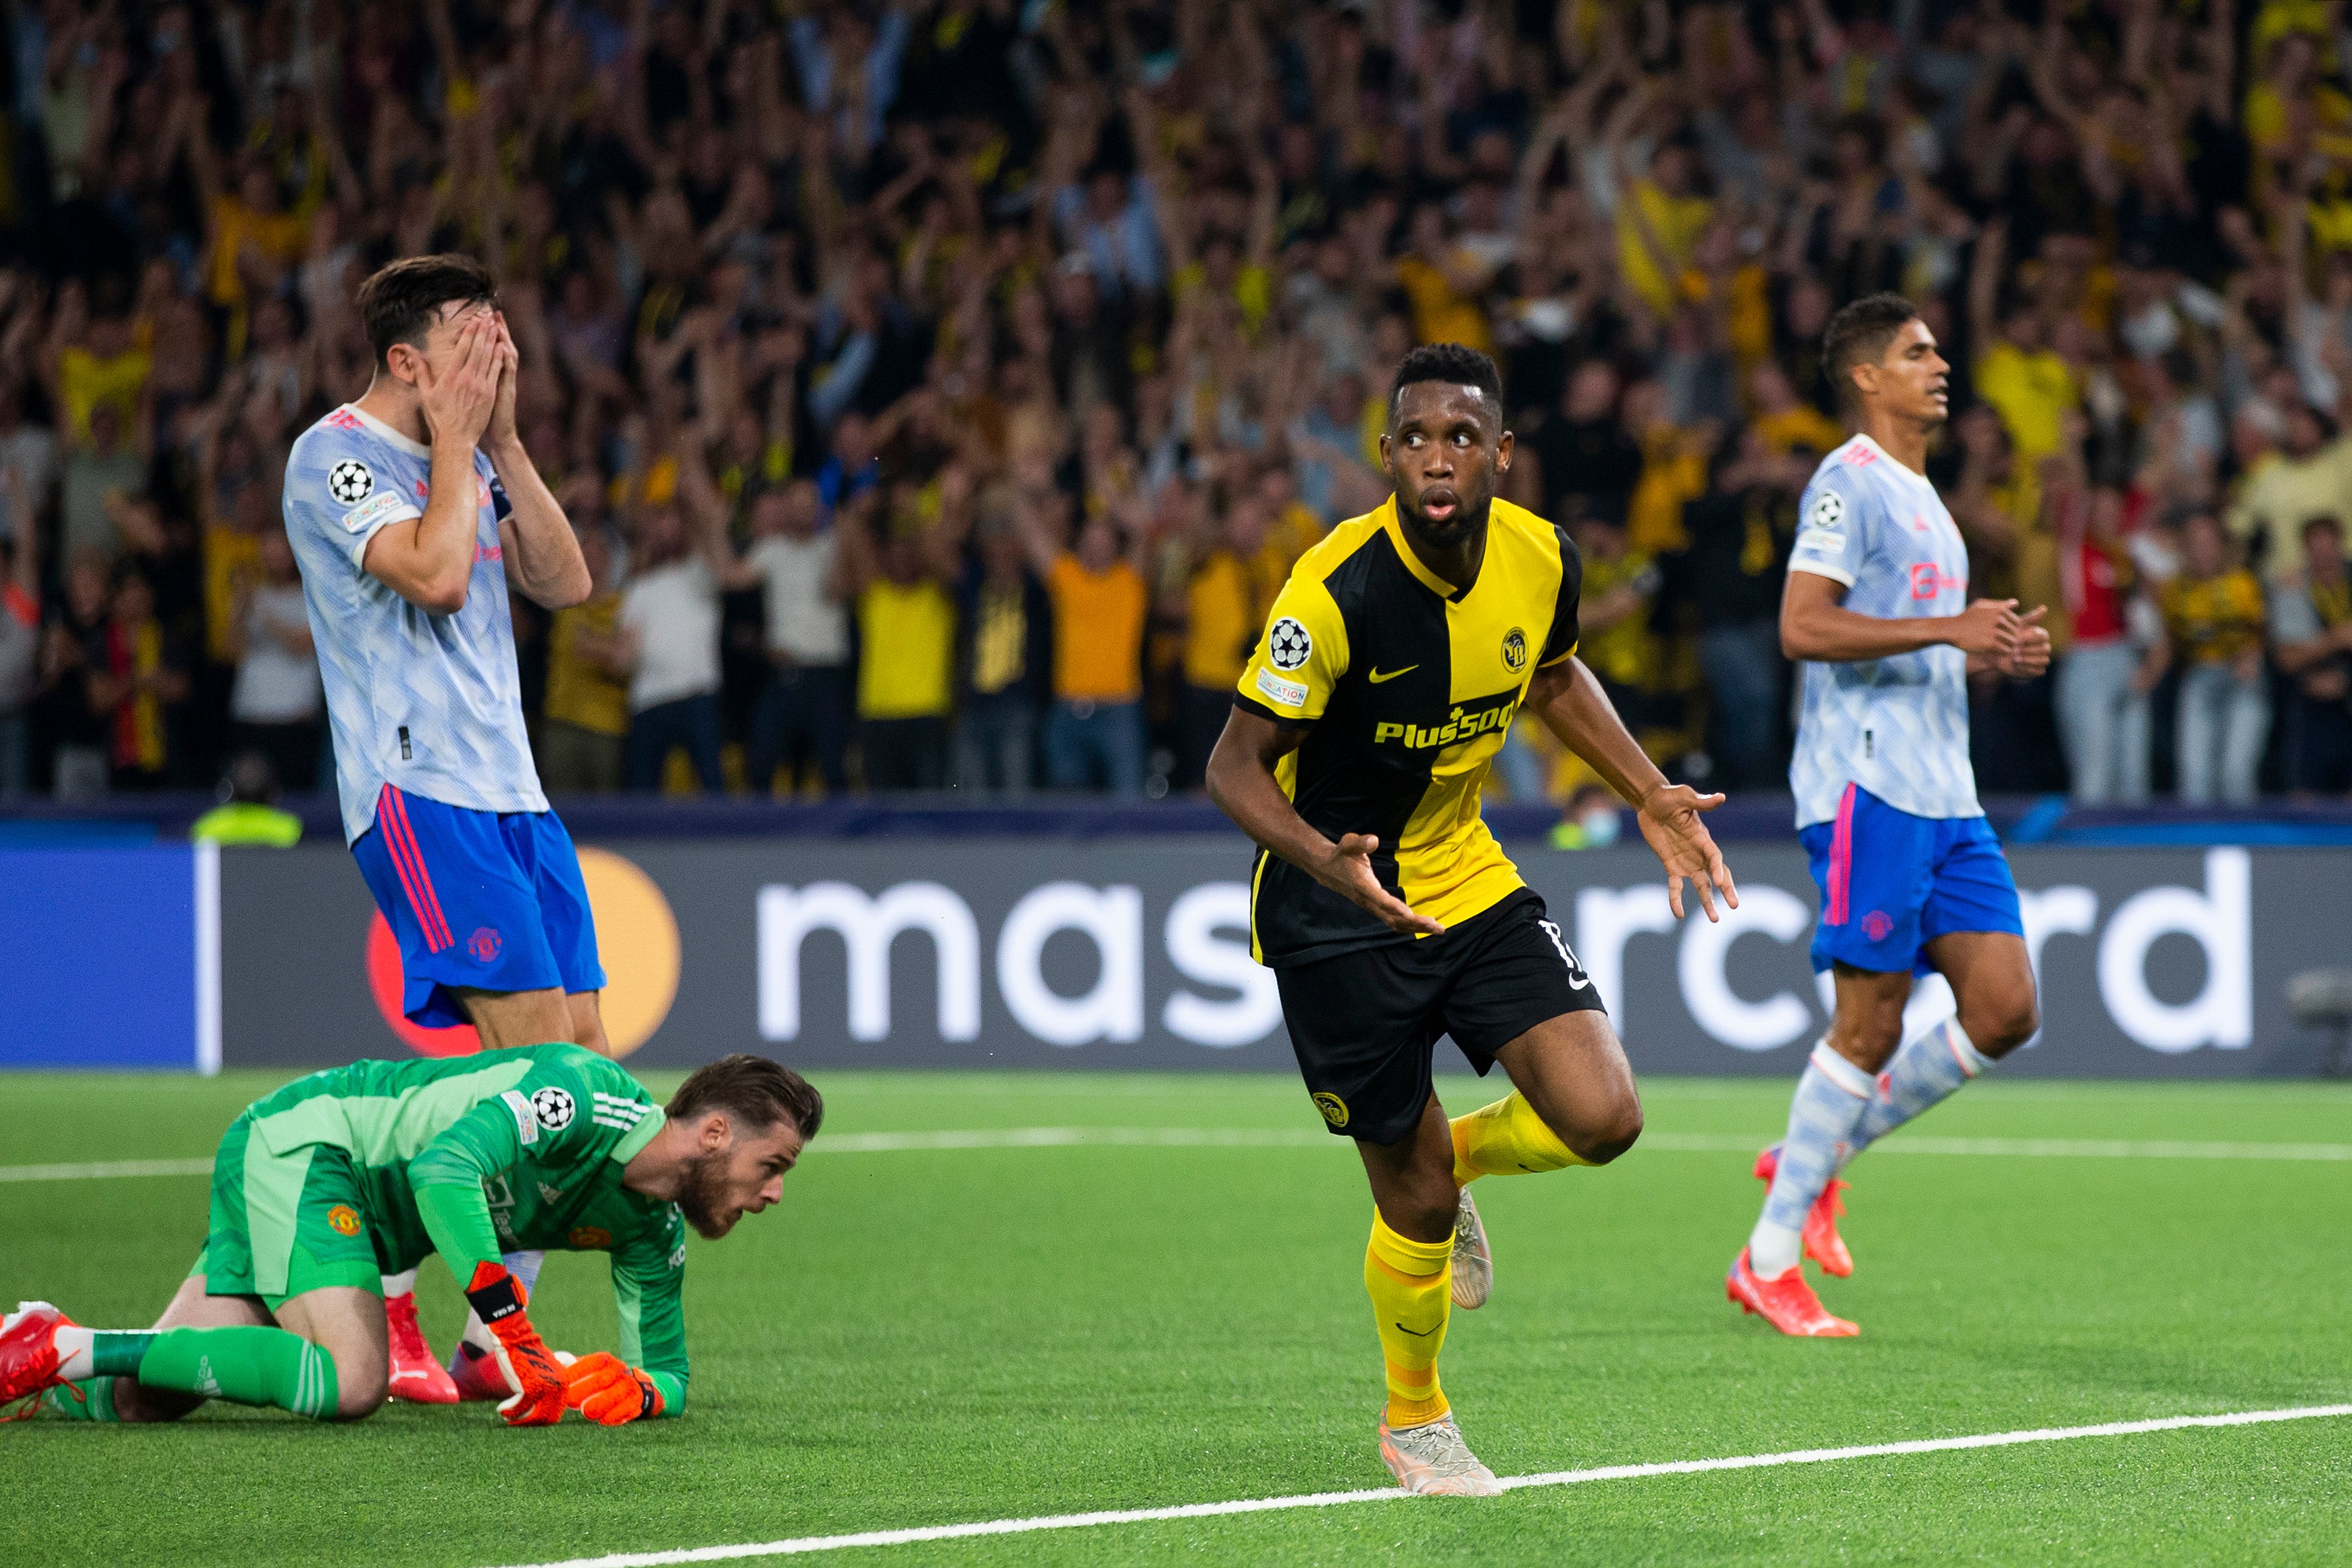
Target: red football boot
[416, 1375]
[474, 1374]
[1823, 1245]
[28, 1356]
[1788, 1303]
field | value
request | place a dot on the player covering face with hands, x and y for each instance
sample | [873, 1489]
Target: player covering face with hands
[338, 1177]
[1392, 664]
[414, 512]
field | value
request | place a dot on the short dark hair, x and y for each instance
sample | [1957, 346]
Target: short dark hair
[1858, 335]
[400, 303]
[751, 1090]
[1455, 363]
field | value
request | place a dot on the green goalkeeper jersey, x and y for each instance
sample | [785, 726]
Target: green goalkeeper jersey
[504, 1150]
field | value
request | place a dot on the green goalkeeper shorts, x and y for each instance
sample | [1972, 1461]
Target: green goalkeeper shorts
[285, 1224]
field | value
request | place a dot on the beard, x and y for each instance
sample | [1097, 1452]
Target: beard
[1463, 525]
[703, 1200]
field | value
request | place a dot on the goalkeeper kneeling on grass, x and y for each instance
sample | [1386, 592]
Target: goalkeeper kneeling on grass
[339, 1178]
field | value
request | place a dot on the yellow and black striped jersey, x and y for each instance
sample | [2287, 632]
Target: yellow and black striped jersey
[1408, 686]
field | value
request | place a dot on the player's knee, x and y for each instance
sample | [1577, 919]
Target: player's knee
[1614, 1133]
[359, 1397]
[136, 1403]
[2010, 1022]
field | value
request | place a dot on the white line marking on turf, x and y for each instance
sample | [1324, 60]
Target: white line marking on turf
[106, 1168]
[808, 1543]
[2064, 1148]
[1309, 1137]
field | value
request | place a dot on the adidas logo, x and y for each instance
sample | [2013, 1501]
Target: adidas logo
[611, 1111]
[206, 1384]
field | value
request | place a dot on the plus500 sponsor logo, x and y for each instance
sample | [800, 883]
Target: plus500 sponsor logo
[1464, 722]
[1206, 934]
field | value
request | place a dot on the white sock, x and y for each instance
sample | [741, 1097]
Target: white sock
[1773, 1250]
[75, 1362]
[1831, 1097]
[401, 1284]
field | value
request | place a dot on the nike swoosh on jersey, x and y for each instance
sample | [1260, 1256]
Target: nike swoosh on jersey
[1378, 674]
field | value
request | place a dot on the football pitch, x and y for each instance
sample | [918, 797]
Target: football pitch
[997, 1297]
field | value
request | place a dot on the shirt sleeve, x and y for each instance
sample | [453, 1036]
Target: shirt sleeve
[2292, 618]
[1565, 630]
[338, 491]
[446, 1177]
[1829, 528]
[648, 1293]
[1300, 656]
[555, 1115]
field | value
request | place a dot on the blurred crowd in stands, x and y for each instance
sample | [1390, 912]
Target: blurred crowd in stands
[943, 388]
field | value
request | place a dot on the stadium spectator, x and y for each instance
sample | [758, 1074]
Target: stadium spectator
[2110, 664]
[906, 633]
[20, 640]
[277, 703]
[669, 635]
[2214, 616]
[1229, 584]
[138, 675]
[71, 724]
[248, 812]
[583, 741]
[1729, 580]
[2311, 623]
[802, 720]
[1007, 625]
[1082, 254]
[1094, 735]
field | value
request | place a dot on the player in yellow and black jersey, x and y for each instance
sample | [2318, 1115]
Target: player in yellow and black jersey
[1362, 729]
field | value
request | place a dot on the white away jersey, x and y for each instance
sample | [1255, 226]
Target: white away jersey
[1897, 727]
[431, 704]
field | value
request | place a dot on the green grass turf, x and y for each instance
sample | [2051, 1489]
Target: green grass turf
[922, 1338]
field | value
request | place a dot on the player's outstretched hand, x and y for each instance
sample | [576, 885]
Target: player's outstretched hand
[1349, 873]
[1987, 629]
[529, 1367]
[458, 403]
[609, 1391]
[1670, 820]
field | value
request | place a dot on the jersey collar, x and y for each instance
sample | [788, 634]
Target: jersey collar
[1428, 579]
[634, 1141]
[1890, 460]
[385, 433]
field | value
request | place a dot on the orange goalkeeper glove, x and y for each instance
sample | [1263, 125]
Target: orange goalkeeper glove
[524, 1360]
[609, 1391]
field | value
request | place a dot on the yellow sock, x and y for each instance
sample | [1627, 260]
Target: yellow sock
[1408, 1281]
[1506, 1138]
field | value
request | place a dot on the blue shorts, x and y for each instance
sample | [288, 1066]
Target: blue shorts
[487, 900]
[1891, 882]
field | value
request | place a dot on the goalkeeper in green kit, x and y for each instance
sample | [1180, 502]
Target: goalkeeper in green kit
[341, 1177]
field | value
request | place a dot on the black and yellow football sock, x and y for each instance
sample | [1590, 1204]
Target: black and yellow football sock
[1408, 1281]
[1506, 1138]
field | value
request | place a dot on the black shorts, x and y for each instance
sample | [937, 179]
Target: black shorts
[1364, 1023]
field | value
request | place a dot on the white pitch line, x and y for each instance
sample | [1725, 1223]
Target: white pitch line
[808, 1543]
[105, 1169]
[1309, 1137]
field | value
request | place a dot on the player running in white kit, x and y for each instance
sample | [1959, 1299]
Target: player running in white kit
[1912, 879]
[409, 510]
